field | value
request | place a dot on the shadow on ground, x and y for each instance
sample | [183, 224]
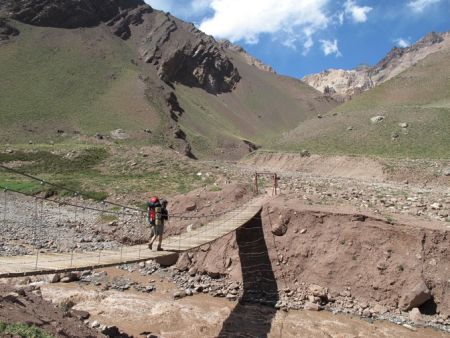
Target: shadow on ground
[253, 315]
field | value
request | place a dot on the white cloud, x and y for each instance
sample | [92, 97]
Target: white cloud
[418, 6]
[403, 43]
[290, 21]
[330, 47]
[357, 13]
[340, 17]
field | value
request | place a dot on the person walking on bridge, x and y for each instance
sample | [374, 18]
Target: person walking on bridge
[157, 215]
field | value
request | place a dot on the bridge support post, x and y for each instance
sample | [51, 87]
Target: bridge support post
[37, 259]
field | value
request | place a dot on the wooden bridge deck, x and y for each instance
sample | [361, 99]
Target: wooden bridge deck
[45, 263]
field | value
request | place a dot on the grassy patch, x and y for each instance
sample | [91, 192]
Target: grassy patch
[108, 218]
[23, 331]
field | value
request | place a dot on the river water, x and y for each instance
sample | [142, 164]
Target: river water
[140, 314]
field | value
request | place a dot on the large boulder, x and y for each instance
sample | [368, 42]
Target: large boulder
[415, 296]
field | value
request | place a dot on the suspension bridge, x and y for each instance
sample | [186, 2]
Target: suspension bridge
[40, 261]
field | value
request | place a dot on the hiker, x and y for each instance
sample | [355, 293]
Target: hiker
[157, 214]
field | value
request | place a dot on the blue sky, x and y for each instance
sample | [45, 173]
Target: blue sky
[299, 37]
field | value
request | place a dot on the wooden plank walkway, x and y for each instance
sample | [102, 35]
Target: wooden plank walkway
[45, 263]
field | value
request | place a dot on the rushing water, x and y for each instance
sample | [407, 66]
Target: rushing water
[205, 316]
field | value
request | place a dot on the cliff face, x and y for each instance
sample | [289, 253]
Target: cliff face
[182, 53]
[343, 84]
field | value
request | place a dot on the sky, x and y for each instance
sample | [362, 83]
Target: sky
[300, 37]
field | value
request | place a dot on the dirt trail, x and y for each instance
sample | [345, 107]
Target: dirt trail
[329, 166]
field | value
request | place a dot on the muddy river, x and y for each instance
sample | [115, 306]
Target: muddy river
[143, 315]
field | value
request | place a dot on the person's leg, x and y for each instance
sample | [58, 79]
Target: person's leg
[152, 237]
[159, 242]
[160, 231]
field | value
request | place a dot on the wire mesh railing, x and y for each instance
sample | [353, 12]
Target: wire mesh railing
[40, 210]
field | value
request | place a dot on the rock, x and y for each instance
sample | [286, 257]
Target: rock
[416, 296]
[376, 119]
[367, 313]
[318, 291]
[436, 206]
[279, 227]
[311, 306]
[381, 266]
[230, 296]
[409, 327]
[192, 271]
[119, 134]
[446, 171]
[7, 31]
[190, 206]
[303, 231]
[70, 277]
[95, 324]
[350, 128]
[379, 309]
[305, 153]
[183, 262]
[179, 295]
[403, 125]
[113, 332]
[54, 278]
[81, 315]
[416, 317]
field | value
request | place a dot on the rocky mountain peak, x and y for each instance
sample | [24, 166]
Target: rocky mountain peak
[343, 84]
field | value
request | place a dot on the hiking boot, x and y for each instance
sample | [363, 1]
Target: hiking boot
[159, 248]
[150, 246]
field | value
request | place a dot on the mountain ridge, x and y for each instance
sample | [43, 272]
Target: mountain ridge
[132, 66]
[344, 84]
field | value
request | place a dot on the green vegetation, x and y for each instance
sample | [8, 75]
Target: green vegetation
[98, 171]
[70, 80]
[64, 170]
[22, 330]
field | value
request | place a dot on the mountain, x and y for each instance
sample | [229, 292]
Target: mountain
[120, 71]
[406, 115]
[345, 84]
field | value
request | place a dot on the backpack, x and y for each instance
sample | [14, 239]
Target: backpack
[152, 205]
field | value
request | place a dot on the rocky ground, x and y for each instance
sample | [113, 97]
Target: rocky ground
[24, 304]
[373, 249]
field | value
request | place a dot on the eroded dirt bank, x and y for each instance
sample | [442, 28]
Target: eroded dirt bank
[360, 263]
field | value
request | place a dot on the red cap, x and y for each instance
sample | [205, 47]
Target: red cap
[154, 199]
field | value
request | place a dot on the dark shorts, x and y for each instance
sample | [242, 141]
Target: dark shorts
[158, 230]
